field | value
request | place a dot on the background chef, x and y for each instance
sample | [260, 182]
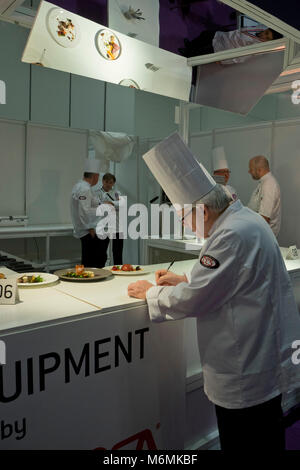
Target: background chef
[83, 213]
[241, 295]
[221, 170]
[265, 199]
[107, 194]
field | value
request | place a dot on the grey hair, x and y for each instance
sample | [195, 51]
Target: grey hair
[217, 199]
[260, 162]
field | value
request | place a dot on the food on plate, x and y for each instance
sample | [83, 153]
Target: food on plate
[126, 267]
[80, 272]
[111, 46]
[2, 276]
[66, 29]
[30, 279]
[79, 268]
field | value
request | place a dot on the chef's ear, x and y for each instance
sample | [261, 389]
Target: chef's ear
[205, 213]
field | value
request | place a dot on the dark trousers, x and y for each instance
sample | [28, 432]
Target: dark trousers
[117, 249]
[93, 251]
[201, 45]
[258, 428]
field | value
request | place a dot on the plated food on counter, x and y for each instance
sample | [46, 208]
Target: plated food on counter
[82, 274]
[30, 279]
[36, 279]
[128, 269]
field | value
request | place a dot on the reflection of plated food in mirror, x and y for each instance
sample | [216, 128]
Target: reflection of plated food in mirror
[63, 28]
[108, 44]
[130, 83]
[30, 279]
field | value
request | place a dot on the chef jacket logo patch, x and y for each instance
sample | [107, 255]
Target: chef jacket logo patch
[209, 262]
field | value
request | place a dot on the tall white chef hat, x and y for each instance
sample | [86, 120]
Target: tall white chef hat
[92, 165]
[181, 176]
[219, 159]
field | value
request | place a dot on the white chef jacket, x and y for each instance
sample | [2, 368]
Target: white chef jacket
[112, 196]
[266, 201]
[247, 318]
[231, 191]
[83, 209]
[224, 40]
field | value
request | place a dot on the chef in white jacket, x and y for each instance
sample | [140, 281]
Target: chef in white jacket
[266, 198]
[221, 170]
[241, 294]
[107, 194]
[83, 213]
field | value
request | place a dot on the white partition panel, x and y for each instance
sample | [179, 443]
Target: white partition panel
[286, 158]
[12, 164]
[201, 145]
[55, 162]
[240, 145]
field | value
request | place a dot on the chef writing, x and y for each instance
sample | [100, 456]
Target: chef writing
[240, 293]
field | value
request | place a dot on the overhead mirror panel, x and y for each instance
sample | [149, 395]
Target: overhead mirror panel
[282, 16]
[65, 41]
[201, 51]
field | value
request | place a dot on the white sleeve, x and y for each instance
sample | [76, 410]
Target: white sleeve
[86, 213]
[214, 280]
[269, 195]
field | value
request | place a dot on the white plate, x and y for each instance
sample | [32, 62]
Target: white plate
[59, 20]
[130, 273]
[130, 83]
[105, 44]
[48, 279]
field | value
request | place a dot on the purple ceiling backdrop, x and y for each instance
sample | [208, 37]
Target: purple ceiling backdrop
[176, 22]
[95, 10]
[287, 11]
[202, 15]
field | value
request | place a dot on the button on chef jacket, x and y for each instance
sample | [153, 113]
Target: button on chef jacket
[247, 318]
[83, 209]
[265, 200]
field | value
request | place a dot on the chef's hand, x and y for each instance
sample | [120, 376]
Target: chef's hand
[138, 289]
[167, 278]
[92, 232]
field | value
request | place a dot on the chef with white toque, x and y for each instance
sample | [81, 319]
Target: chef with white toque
[221, 170]
[241, 294]
[83, 213]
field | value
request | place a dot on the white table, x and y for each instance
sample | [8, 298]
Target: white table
[43, 231]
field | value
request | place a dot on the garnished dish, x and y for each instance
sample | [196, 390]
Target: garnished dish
[63, 27]
[128, 269]
[108, 44]
[36, 279]
[30, 279]
[82, 274]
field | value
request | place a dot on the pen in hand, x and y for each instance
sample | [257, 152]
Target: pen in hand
[171, 264]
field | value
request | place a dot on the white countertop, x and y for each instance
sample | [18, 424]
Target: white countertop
[69, 299]
[29, 229]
